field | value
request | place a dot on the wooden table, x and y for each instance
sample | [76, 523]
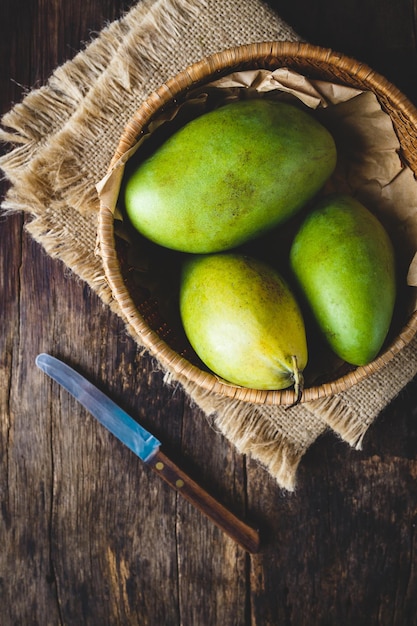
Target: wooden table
[88, 534]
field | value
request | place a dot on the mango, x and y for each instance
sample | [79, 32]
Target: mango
[243, 321]
[344, 262]
[229, 175]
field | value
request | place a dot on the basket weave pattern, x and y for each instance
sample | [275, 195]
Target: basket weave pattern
[144, 317]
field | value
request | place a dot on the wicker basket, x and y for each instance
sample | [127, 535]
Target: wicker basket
[145, 317]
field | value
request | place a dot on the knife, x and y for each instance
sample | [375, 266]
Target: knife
[147, 448]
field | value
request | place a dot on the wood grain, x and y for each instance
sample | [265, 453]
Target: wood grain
[88, 534]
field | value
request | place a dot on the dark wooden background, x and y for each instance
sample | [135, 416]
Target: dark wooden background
[88, 535]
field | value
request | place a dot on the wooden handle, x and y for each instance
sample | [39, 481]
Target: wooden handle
[244, 535]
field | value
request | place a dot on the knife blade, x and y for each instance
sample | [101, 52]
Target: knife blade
[147, 448]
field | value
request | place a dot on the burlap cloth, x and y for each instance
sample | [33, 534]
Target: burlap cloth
[61, 139]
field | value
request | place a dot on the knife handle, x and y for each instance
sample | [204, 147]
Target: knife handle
[245, 535]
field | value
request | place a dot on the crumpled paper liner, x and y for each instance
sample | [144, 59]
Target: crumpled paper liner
[61, 139]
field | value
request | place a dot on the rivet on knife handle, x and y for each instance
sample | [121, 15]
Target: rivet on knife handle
[146, 447]
[242, 533]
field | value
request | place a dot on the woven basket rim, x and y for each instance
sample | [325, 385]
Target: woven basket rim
[263, 53]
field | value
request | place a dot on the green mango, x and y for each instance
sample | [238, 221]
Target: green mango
[243, 321]
[229, 175]
[344, 262]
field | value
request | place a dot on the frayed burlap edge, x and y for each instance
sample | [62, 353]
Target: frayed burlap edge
[349, 414]
[278, 437]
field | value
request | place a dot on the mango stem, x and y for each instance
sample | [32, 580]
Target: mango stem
[298, 382]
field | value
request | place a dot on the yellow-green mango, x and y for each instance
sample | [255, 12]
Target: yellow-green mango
[344, 262]
[243, 321]
[229, 175]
